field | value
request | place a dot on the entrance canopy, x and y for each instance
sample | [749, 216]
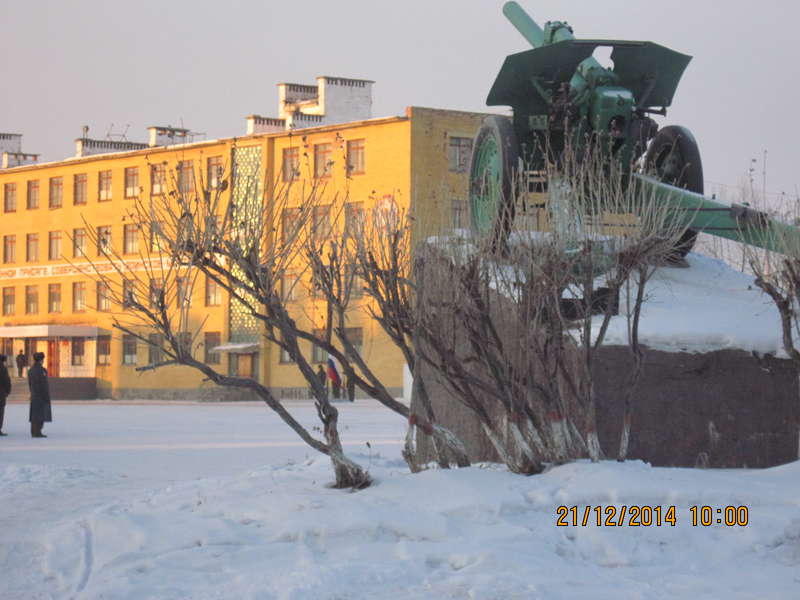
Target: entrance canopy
[48, 331]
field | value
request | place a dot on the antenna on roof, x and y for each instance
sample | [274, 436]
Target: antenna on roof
[122, 137]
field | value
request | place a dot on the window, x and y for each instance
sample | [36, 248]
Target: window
[54, 245]
[321, 222]
[214, 172]
[291, 164]
[289, 286]
[32, 247]
[386, 215]
[79, 189]
[322, 160]
[132, 182]
[78, 351]
[78, 242]
[103, 296]
[79, 296]
[156, 294]
[158, 179]
[458, 154]
[185, 342]
[33, 194]
[185, 177]
[155, 236]
[285, 358]
[457, 212]
[104, 186]
[154, 348]
[213, 293]
[356, 283]
[10, 197]
[9, 301]
[103, 240]
[56, 196]
[290, 223]
[354, 219]
[355, 335]
[183, 292]
[318, 355]
[103, 350]
[31, 299]
[9, 249]
[130, 239]
[128, 349]
[54, 297]
[355, 157]
[128, 293]
[212, 340]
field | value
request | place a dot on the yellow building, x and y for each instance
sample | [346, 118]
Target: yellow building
[52, 303]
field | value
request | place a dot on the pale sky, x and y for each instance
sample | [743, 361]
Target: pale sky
[206, 65]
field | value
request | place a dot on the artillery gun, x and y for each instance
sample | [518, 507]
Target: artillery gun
[562, 97]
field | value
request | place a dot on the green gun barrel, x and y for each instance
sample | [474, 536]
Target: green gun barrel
[524, 24]
[735, 222]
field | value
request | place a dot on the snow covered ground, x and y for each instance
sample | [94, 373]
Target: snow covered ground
[220, 501]
[709, 306]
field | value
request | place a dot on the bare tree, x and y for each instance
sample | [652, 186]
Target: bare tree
[374, 256]
[514, 334]
[238, 247]
[777, 274]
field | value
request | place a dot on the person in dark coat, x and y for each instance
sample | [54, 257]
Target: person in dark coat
[40, 412]
[22, 362]
[5, 389]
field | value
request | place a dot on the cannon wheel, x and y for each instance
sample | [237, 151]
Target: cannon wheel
[674, 158]
[492, 180]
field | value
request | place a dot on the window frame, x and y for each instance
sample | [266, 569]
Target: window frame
[55, 196]
[78, 296]
[103, 359]
[77, 351]
[32, 195]
[290, 164]
[129, 342]
[9, 301]
[323, 165]
[32, 247]
[459, 153]
[130, 239]
[214, 172]
[9, 249]
[53, 243]
[131, 179]
[31, 299]
[356, 152]
[10, 197]
[53, 298]
[79, 238]
[80, 189]
[105, 185]
[212, 358]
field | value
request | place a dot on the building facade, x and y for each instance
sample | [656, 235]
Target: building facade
[56, 216]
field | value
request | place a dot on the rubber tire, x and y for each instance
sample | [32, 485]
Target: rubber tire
[690, 175]
[501, 130]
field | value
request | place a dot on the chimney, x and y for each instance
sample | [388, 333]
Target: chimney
[11, 154]
[259, 124]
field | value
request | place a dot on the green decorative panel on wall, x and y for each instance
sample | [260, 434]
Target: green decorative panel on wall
[246, 198]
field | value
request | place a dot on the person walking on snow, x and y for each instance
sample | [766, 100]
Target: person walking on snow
[40, 412]
[5, 389]
[22, 362]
